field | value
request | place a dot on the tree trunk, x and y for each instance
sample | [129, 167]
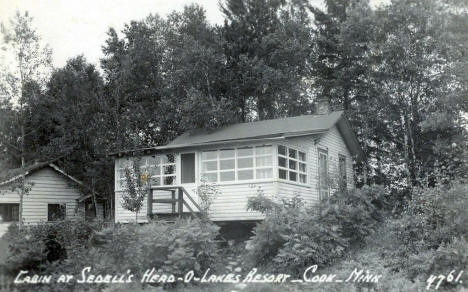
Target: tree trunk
[406, 151]
[94, 198]
[23, 177]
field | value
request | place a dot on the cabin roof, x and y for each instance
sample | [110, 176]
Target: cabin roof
[266, 129]
[10, 175]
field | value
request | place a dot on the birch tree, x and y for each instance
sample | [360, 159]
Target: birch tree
[29, 67]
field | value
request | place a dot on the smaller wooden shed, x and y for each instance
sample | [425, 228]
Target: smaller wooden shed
[54, 196]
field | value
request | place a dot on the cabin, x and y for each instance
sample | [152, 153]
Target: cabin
[307, 155]
[54, 195]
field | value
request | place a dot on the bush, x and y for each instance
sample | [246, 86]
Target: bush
[293, 235]
[433, 217]
[35, 246]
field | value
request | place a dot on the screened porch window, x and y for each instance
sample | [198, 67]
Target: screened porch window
[237, 164]
[292, 164]
[161, 169]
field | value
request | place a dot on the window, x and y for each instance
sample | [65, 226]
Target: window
[9, 212]
[323, 174]
[237, 164]
[342, 171]
[160, 168]
[292, 164]
[56, 212]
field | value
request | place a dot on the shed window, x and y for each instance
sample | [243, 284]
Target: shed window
[237, 164]
[56, 212]
[9, 212]
[292, 164]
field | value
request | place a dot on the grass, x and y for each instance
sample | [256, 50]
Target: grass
[3, 250]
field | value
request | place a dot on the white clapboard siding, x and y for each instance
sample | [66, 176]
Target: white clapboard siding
[49, 187]
[334, 143]
[231, 204]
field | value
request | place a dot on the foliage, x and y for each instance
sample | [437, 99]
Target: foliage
[33, 247]
[293, 235]
[135, 188]
[207, 193]
[433, 217]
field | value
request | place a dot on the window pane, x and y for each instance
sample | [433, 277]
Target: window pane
[283, 174]
[169, 169]
[155, 181]
[248, 151]
[227, 176]
[263, 161]
[169, 158]
[264, 173]
[292, 153]
[209, 155]
[245, 174]
[155, 170]
[302, 167]
[209, 165]
[292, 164]
[169, 180]
[262, 150]
[281, 150]
[244, 162]
[302, 156]
[282, 161]
[292, 176]
[227, 164]
[303, 178]
[210, 177]
[226, 153]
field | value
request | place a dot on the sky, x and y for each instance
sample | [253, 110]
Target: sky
[74, 27]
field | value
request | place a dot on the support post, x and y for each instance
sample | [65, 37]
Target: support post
[181, 202]
[150, 205]
[174, 202]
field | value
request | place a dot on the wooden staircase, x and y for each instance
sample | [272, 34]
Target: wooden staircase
[178, 200]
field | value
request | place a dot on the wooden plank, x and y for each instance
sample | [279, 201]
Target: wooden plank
[174, 202]
[165, 201]
[150, 204]
[181, 202]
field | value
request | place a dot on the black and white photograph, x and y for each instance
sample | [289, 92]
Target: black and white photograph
[233, 145]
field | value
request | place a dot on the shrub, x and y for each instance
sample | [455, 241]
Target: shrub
[35, 246]
[434, 216]
[293, 235]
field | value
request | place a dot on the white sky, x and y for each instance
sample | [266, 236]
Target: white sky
[73, 27]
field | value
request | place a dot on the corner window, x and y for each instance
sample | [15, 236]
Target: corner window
[237, 164]
[342, 172]
[324, 190]
[56, 212]
[292, 164]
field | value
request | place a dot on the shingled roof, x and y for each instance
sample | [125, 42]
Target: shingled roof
[266, 129]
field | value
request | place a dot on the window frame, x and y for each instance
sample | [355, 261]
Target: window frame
[287, 168]
[253, 168]
[60, 205]
[321, 151]
[10, 212]
[144, 169]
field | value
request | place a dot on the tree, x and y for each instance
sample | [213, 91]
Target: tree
[136, 188]
[267, 45]
[22, 84]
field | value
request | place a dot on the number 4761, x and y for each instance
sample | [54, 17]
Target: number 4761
[439, 279]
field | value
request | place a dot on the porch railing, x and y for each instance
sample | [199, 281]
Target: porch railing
[178, 198]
